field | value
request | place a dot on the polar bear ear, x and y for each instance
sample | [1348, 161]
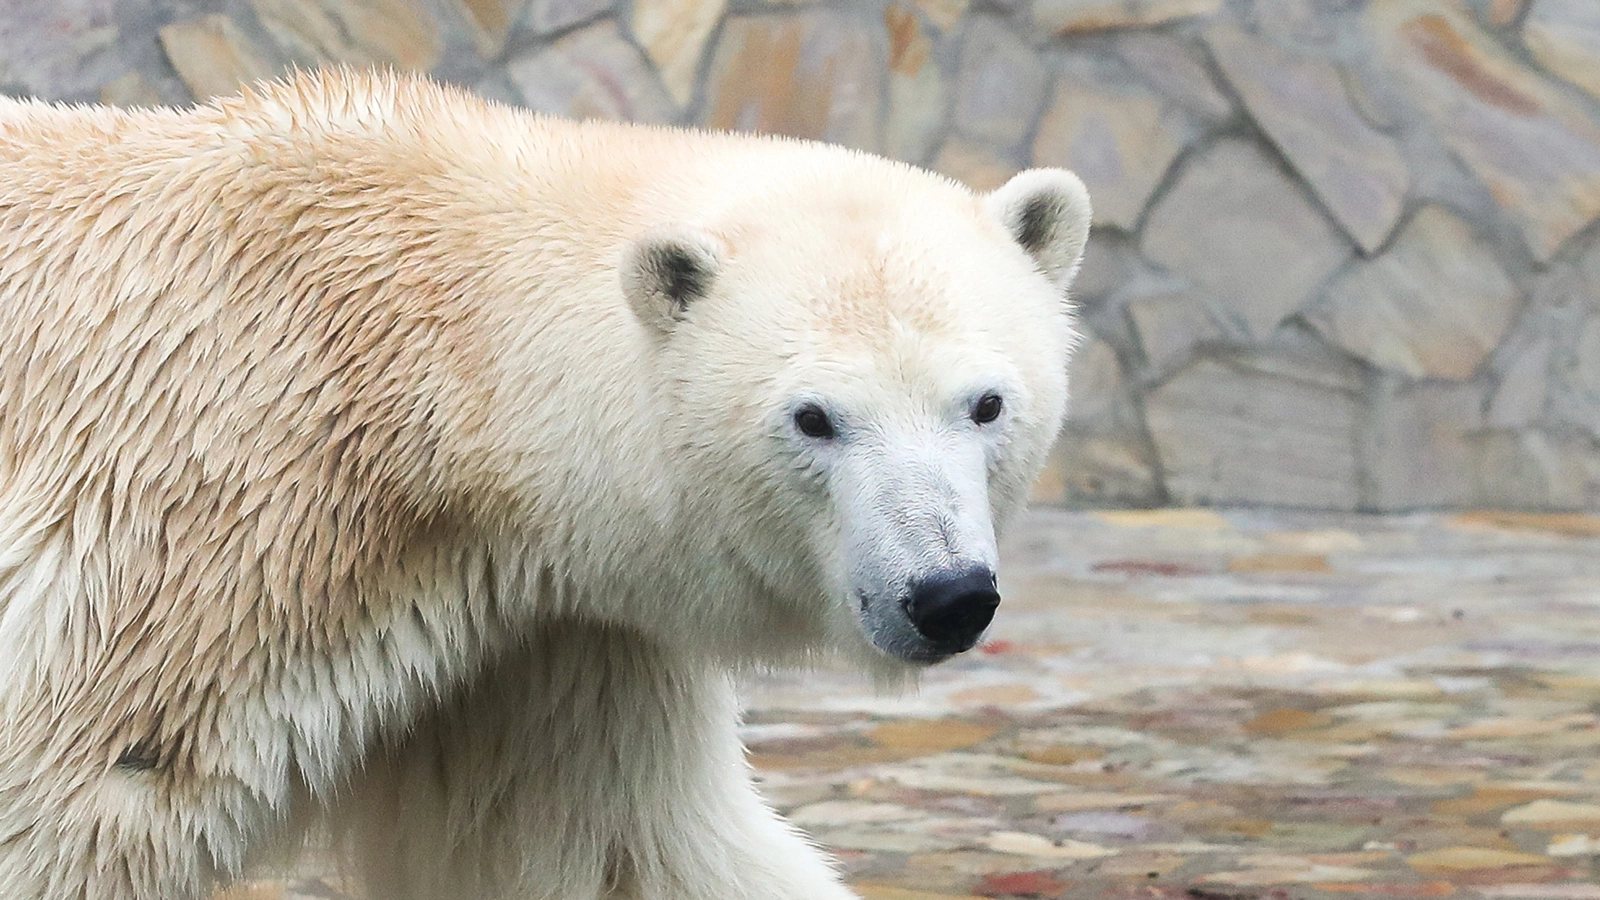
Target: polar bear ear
[666, 270]
[1047, 212]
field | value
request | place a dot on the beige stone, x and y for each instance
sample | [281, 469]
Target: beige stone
[1505, 12]
[492, 21]
[592, 73]
[131, 89]
[1245, 234]
[1432, 307]
[976, 165]
[212, 56]
[362, 32]
[1120, 140]
[1564, 36]
[1302, 104]
[674, 34]
[816, 75]
[1535, 148]
[944, 14]
[916, 88]
[1457, 859]
[1024, 844]
[1093, 15]
[1553, 813]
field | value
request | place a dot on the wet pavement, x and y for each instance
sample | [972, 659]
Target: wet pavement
[1226, 706]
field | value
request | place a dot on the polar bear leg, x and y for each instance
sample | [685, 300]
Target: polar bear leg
[590, 764]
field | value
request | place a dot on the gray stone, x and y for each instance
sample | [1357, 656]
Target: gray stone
[916, 89]
[592, 73]
[978, 166]
[1110, 263]
[1251, 429]
[1302, 104]
[1239, 229]
[1575, 393]
[1173, 67]
[674, 34]
[59, 48]
[1535, 148]
[1100, 458]
[1001, 84]
[1099, 469]
[1434, 306]
[546, 16]
[1524, 387]
[1170, 326]
[1420, 451]
[1063, 16]
[817, 74]
[491, 21]
[1120, 140]
[1538, 470]
[212, 56]
[1564, 36]
[1094, 377]
[398, 33]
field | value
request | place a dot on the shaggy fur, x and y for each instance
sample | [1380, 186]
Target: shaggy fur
[345, 476]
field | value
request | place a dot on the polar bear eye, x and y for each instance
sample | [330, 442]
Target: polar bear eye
[813, 422]
[987, 409]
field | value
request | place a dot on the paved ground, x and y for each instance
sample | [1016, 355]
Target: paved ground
[1229, 706]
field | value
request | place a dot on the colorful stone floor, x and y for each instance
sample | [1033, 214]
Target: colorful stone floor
[1227, 706]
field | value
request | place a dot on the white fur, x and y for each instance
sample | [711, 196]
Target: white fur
[364, 465]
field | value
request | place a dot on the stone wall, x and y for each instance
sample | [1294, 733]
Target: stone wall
[1343, 255]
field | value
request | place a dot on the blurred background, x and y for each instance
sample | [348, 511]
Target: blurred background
[1343, 257]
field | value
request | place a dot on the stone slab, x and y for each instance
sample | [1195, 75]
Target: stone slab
[1067, 16]
[592, 73]
[1120, 139]
[1302, 104]
[674, 34]
[918, 94]
[1236, 429]
[1239, 229]
[1535, 148]
[1420, 452]
[817, 74]
[1434, 306]
[547, 16]
[1564, 37]
[1001, 85]
[1170, 326]
[1176, 69]
[400, 33]
[212, 56]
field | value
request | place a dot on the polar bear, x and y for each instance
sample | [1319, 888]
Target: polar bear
[380, 459]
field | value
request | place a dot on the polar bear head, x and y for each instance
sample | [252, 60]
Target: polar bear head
[868, 366]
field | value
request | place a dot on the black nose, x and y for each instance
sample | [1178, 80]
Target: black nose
[953, 610]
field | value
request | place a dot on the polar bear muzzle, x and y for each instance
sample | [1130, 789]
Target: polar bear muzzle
[951, 610]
